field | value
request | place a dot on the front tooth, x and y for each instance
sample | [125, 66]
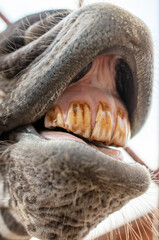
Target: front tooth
[103, 126]
[79, 119]
[54, 118]
[122, 130]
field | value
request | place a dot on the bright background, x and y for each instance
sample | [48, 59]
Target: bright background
[145, 143]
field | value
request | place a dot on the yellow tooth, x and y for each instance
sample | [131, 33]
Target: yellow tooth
[122, 130]
[103, 126]
[54, 118]
[79, 119]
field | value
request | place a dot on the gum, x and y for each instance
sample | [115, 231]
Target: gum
[98, 85]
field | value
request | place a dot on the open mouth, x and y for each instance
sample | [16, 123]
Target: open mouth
[92, 109]
[85, 86]
[89, 83]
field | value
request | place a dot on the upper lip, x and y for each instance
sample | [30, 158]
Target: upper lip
[37, 90]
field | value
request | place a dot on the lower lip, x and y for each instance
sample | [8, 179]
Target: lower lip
[54, 135]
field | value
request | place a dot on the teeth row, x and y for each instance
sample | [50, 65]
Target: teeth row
[78, 121]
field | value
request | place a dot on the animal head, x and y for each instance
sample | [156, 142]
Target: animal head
[88, 73]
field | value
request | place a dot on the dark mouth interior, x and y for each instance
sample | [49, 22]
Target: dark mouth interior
[125, 85]
[39, 126]
[125, 88]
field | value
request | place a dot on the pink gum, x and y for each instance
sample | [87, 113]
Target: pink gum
[98, 85]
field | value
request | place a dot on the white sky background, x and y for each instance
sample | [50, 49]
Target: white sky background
[146, 143]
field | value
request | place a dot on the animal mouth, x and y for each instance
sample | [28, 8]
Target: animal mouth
[84, 93]
[91, 110]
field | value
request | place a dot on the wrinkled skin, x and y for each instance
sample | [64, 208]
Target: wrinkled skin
[62, 189]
